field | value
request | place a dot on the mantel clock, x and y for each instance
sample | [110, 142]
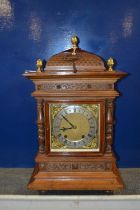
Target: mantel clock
[75, 96]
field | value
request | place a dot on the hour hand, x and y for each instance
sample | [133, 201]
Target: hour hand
[64, 129]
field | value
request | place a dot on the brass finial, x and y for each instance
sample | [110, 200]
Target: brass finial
[39, 65]
[110, 64]
[74, 41]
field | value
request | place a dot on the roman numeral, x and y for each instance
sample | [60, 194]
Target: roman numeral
[65, 141]
[65, 112]
[74, 143]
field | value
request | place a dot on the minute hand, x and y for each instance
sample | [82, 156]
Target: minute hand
[68, 121]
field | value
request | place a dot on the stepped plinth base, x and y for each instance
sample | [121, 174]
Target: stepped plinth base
[79, 180]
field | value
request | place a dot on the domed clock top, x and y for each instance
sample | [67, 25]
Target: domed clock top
[75, 60]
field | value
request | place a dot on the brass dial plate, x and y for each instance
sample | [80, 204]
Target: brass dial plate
[75, 127]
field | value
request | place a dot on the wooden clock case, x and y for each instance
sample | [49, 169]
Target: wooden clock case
[75, 76]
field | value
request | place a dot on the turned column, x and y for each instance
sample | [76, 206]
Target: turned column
[109, 124]
[40, 125]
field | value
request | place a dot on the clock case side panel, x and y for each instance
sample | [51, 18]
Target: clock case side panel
[75, 153]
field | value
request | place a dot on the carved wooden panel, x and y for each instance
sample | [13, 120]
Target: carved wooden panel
[76, 166]
[74, 86]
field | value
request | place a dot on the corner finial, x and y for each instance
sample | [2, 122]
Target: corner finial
[74, 41]
[39, 64]
[110, 64]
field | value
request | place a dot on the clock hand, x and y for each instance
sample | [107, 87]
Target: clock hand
[64, 129]
[69, 122]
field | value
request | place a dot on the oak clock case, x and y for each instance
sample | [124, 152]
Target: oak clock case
[75, 96]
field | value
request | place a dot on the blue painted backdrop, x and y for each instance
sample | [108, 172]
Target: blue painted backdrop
[38, 29]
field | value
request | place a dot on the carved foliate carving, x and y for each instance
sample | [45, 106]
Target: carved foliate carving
[73, 166]
[40, 124]
[74, 86]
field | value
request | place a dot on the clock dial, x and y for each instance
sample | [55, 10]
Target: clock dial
[74, 126]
